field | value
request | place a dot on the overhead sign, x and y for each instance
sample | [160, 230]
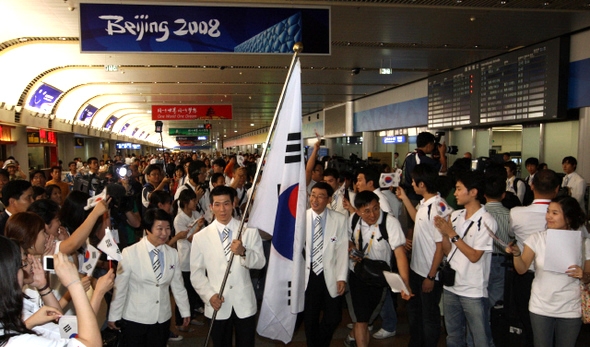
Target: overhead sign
[394, 139]
[109, 124]
[44, 98]
[188, 112]
[193, 147]
[188, 131]
[206, 29]
[193, 138]
[127, 145]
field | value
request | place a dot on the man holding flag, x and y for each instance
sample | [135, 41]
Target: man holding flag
[279, 209]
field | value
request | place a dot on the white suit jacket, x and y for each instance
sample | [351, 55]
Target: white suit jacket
[335, 256]
[208, 266]
[138, 297]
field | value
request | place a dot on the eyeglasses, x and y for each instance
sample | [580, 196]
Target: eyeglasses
[319, 197]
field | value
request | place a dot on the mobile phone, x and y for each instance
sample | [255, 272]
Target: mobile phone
[48, 264]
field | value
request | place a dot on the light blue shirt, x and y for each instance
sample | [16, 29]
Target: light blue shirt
[151, 248]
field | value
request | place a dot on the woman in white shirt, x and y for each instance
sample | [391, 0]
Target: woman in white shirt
[555, 305]
[13, 331]
[187, 223]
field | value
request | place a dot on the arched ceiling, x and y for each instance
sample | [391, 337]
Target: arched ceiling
[39, 43]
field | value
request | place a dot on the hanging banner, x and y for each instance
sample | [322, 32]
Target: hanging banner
[188, 112]
[206, 29]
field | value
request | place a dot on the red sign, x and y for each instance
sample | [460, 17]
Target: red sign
[189, 112]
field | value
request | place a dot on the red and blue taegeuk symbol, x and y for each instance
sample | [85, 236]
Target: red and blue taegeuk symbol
[388, 179]
[442, 206]
[284, 230]
[87, 256]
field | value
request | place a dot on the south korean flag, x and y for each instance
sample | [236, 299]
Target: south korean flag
[90, 260]
[109, 246]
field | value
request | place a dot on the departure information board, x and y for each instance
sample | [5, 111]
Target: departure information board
[527, 85]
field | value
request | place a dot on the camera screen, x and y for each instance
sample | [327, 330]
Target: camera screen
[49, 263]
[474, 164]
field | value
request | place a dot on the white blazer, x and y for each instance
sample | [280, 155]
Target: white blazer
[208, 265]
[138, 297]
[335, 256]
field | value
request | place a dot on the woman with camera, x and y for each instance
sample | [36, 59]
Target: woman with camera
[13, 331]
[555, 304]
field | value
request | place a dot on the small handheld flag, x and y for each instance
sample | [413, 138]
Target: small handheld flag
[109, 246]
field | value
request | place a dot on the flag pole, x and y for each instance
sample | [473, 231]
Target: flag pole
[297, 48]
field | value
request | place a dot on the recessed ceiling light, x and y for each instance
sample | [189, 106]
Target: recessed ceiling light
[251, 124]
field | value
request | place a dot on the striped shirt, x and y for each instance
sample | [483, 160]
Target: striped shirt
[502, 216]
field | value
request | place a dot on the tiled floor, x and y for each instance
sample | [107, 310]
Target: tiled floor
[501, 338]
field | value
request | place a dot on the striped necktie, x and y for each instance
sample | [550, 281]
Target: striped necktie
[156, 265]
[226, 243]
[318, 247]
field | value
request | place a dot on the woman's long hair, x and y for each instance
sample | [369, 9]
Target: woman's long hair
[72, 213]
[11, 300]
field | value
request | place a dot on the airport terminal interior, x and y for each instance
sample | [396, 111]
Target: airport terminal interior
[100, 78]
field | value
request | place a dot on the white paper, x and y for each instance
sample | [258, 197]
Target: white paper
[68, 327]
[395, 282]
[564, 249]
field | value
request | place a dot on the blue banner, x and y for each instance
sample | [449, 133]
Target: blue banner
[165, 28]
[405, 114]
[44, 98]
[87, 114]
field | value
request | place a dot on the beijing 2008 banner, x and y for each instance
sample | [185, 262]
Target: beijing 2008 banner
[205, 29]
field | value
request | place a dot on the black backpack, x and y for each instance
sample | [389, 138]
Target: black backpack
[529, 196]
[384, 234]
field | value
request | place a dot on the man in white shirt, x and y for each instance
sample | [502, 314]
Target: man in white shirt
[469, 251]
[532, 166]
[427, 254]
[513, 184]
[331, 176]
[366, 235]
[210, 254]
[368, 179]
[525, 221]
[573, 181]
[326, 267]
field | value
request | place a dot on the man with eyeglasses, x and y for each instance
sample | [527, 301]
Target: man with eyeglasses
[376, 242]
[326, 260]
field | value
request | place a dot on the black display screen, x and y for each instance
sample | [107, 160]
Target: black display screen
[527, 85]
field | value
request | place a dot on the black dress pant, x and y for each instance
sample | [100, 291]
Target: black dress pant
[223, 331]
[317, 299]
[145, 335]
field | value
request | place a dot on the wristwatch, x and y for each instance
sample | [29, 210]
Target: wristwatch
[455, 238]
[430, 277]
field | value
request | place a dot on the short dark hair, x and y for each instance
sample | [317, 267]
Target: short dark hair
[14, 189]
[219, 162]
[152, 215]
[511, 165]
[323, 185]
[364, 198]
[495, 181]
[4, 172]
[370, 176]
[474, 180]
[72, 162]
[531, 161]
[331, 172]
[151, 168]
[91, 159]
[37, 191]
[546, 182]
[159, 197]
[222, 190]
[427, 175]
[195, 165]
[38, 172]
[215, 177]
[45, 208]
[572, 212]
[571, 160]
[424, 138]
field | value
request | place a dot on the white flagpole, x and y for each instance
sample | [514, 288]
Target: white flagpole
[297, 48]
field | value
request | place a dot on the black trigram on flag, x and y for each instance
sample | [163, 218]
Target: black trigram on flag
[293, 152]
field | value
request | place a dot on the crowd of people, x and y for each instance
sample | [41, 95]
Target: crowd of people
[463, 242]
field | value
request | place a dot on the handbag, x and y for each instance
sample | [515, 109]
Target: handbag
[585, 291]
[446, 274]
[371, 272]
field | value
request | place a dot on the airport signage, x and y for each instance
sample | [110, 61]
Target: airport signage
[44, 98]
[199, 28]
[394, 139]
[190, 112]
[188, 131]
[191, 139]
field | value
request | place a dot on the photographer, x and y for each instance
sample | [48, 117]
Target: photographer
[426, 144]
[155, 182]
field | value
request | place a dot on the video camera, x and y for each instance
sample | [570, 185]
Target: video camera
[439, 137]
